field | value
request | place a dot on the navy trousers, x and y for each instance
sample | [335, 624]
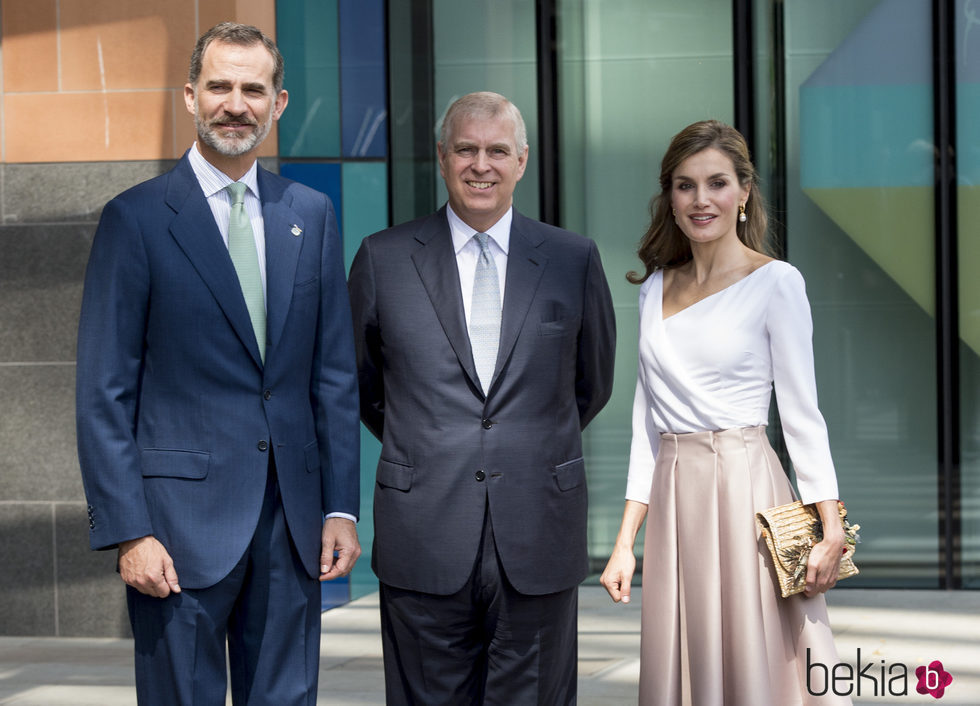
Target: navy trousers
[267, 611]
[486, 644]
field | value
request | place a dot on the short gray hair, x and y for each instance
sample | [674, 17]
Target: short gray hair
[240, 35]
[484, 105]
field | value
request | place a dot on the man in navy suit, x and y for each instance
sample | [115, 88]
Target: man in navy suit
[485, 344]
[217, 400]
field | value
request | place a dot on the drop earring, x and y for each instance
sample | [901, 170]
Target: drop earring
[741, 213]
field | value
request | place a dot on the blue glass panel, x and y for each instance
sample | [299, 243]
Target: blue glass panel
[321, 176]
[362, 71]
[307, 37]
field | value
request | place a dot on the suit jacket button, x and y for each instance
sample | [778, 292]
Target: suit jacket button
[487, 423]
[480, 475]
[267, 394]
[263, 445]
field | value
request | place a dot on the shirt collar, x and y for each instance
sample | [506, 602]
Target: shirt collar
[213, 180]
[462, 233]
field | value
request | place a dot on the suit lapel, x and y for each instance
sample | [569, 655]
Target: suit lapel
[282, 250]
[198, 236]
[436, 265]
[525, 265]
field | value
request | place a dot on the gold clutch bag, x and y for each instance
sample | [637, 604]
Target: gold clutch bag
[791, 531]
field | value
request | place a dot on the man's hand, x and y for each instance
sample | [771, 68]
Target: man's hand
[339, 537]
[146, 566]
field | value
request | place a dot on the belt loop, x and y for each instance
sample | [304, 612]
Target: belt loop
[711, 438]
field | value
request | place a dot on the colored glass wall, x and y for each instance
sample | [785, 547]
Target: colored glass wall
[333, 138]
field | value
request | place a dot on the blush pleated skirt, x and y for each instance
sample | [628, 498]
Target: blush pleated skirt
[715, 630]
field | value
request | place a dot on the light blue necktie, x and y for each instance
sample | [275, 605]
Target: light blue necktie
[485, 313]
[241, 247]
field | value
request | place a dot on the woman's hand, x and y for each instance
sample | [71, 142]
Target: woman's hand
[618, 574]
[619, 569]
[824, 562]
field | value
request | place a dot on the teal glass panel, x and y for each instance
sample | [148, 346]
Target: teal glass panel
[968, 260]
[859, 221]
[306, 32]
[365, 206]
[480, 46]
[365, 203]
[633, 73]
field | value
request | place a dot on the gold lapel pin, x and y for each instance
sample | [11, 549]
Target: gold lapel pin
[296, 230]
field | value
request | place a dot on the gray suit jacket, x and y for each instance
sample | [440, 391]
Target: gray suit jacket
[448, 451]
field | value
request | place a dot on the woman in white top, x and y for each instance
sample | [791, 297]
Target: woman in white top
[720, 323]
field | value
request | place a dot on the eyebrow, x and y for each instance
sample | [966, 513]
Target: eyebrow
[459, 144]
[719, 175]
[250, 86]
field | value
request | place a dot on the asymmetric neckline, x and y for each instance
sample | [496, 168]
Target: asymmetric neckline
[708, 297]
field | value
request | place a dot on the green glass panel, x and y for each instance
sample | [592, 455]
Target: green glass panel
[365, 207]
[307, 36]
[480, 46]
[633, 74]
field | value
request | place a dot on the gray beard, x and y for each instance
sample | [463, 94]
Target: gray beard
[230, 146]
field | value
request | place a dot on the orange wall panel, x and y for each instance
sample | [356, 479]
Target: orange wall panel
[102, 80]
[30, 45]
[89, 127]
[123, 44]
[261, 13]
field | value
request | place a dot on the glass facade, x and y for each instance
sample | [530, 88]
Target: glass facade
[632, 73]
[859, 225]
[333, 137]
[967, 22]
[843, 135]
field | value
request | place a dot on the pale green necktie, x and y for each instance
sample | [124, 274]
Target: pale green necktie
[241, 247]
[485, 313]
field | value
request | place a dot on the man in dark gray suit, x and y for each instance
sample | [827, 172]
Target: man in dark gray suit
[485, 344]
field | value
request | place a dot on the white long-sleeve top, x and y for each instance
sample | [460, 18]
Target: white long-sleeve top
[712, 366]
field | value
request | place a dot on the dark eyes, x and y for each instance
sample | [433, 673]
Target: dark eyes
[717, 184]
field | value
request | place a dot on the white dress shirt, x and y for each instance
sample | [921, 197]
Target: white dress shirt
[213, 182]
[468, 252]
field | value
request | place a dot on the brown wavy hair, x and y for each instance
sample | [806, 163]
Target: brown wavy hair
[664, 244]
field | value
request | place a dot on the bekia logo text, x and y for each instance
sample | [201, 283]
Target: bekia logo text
[874, 678]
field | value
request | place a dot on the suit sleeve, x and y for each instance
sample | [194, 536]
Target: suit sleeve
[597, 343]
[367, 339]
[111, 336]
[335, 382]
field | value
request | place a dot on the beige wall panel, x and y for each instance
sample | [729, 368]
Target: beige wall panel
[125, 44]
[89, 127]
[30, 45]
[261, 13]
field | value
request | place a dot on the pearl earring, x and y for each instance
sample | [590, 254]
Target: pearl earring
[741, 213]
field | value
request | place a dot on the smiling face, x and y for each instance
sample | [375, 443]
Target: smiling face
[481, 165]
[233, 101]
[705, 194]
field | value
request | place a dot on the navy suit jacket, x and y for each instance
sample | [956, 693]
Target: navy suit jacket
[176, 413]
[449, 451]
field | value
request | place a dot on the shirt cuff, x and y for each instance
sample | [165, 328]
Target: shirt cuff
[343, 515]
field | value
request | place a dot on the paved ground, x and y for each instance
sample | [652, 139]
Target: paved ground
[890, 628]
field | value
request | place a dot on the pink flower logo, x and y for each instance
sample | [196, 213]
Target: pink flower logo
[933, 679]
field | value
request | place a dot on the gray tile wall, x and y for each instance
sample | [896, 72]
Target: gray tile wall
[51, 584]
